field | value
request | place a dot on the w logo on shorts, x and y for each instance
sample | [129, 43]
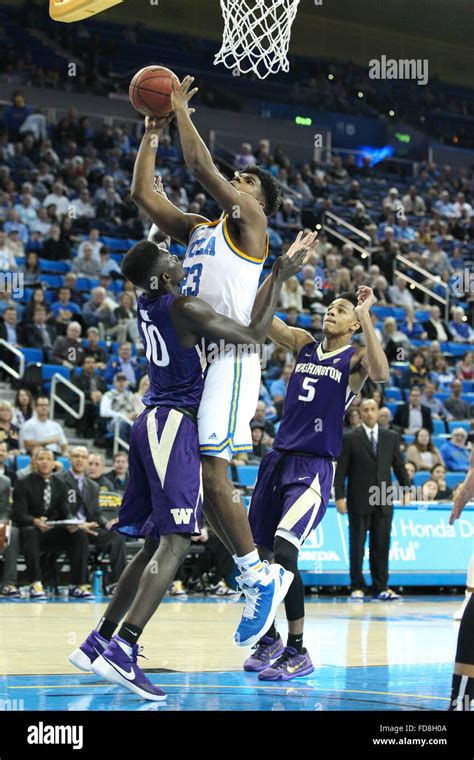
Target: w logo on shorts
[181, 516]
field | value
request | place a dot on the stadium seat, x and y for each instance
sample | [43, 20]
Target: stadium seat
[247, 475]
[465, 424]
[52, 280]
[438, 427]
[421, 477]
[304, 320]
[54, 267]
[48, 370]
[439, 440]
[454, 478]
[22, 460]
[458, 349]
[32, 354]
[393, 394]
[392, 405]
[65, 463]
[409, 438]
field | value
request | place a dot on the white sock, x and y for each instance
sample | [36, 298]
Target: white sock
[249, 563]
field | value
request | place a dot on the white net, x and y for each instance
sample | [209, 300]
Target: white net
[256, 35]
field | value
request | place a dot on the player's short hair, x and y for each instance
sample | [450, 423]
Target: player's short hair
[270, 187]
[141, 263]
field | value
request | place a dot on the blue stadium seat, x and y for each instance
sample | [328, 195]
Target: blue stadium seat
[48, 370]
[465, 424]
[82, 283]
[54, 267]
[65, 462]
[22, 460]
[442, 396]
[454, 478]
[115, 244]
[408, 439]
[392, 405]
[438, 440]
[393, 394]
[438, 427]
[420, 477]
[52, 280]
[32, 354]
[247, 475]
[458, 349]
[304, 320]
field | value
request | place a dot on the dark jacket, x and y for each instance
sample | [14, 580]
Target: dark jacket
[28, 500]
[431, 330]
[364, 469]
[402, 417]
[83, 381]
[34, 338]
[88, 499]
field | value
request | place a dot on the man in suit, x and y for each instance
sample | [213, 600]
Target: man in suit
[413, 416]
[10, 549]
[39, 334]
[436, 328]
[84, 504]
[37, 499]
[94, 386]
[368, 454]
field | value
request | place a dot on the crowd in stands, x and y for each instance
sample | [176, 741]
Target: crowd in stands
[103, 61]
[66, 218]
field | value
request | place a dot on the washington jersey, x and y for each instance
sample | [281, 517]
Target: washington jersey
[175, 373]
[317, 398]
[219, 272]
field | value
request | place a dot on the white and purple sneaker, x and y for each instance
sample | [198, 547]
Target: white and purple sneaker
[88, 652]
[116, 665]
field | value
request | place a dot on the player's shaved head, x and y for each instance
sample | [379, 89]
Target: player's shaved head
[150, 267]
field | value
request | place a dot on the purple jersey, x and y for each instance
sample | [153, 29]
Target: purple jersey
[317, 398]
[176, 375]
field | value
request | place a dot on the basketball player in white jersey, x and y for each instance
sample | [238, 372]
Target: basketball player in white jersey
[223, 262]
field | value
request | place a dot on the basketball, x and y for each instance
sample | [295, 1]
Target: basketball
[150, 90]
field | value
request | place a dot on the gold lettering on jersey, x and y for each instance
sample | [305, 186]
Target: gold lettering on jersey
[319, 369]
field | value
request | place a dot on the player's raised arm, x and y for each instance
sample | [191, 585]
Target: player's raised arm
[371, 360]
[290, 338]
[170, 219]
[193, 315]
[465, 493]
[241, 206]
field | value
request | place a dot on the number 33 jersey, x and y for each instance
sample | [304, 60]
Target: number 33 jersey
[176, 374]
[317, 398]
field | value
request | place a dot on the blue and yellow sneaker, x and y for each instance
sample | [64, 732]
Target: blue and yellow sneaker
[264, 591]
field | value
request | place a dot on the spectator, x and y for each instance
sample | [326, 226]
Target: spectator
[37, 299]
[125, 364]
[438, 474]
[107, 265]
[9, 433]
[166, 151]
[9, 549]
[58, 198]
[99, 311]
[458, 409]
[64, 310]
[413, 416]
[414, 203]
[15, 114]
[422, 452]
[43, 432]
[436, 328]
[93, 387]
[288, 219]
[352, 419]
[245, 158]
[6, 470]
[9, 330]
[399, 295]
[31, 269]
[260, 416]
[93, 349]
[126, 315]
[291, 295]
[385, 421]
[95, 471]
[395, 342]
[117, 403]
[465, 368]
[118, 475]
[85, 508]
[441, 374]
[23, 407]
[143, 386]
[55, 248]
[69, 350]
[37, 499]
[94, 241]
[435, 405]
[81, 207]
[461, 330]
[39, 334]
[429, 490]
[85, 265]
[278, 387]
[418, 371]
[455, 452]
[7, 259]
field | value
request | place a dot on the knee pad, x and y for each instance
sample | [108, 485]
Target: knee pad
[285, 554]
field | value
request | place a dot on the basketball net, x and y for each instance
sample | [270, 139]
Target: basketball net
[256, 35]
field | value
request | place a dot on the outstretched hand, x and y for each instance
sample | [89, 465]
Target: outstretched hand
[295, 258]
[365, 300]
[158, 123]
[181, 95]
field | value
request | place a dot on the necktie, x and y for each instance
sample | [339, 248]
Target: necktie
[47, 495]
[373, 441]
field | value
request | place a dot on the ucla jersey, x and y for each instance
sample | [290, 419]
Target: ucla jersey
[219, 272]
[317, 398]
[176, 376]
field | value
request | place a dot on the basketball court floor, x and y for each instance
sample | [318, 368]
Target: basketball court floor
[368, 656]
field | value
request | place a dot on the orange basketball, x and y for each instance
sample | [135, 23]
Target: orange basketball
[150, 90]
